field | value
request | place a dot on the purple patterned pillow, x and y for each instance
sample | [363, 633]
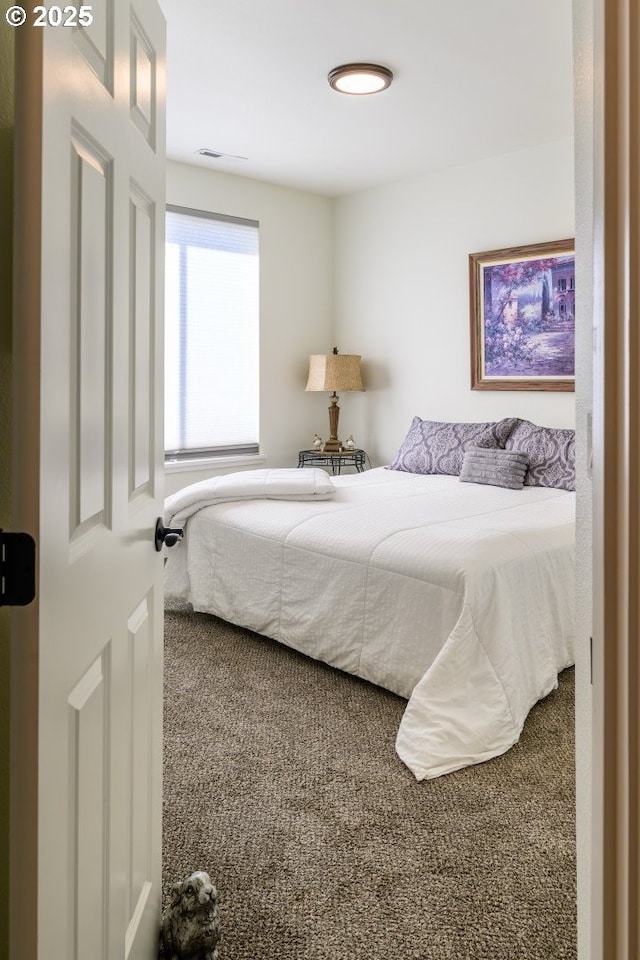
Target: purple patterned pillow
[433, 447]
[551, 452]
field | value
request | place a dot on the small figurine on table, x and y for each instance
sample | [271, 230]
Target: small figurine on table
[317, 442]
[349, 443]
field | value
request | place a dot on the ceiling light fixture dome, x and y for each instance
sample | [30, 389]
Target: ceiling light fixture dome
[360, 78]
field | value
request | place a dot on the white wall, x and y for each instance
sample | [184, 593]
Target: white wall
[402, 288]
[384, 273]
[296, 305]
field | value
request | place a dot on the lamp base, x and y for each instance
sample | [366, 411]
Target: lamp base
[333, 446]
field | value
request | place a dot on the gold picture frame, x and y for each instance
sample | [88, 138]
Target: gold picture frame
[522, 302]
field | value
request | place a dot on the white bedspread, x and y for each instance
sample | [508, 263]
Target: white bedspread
[268, 484]
[456, 596]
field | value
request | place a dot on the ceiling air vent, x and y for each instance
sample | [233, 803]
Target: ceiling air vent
[218, 155]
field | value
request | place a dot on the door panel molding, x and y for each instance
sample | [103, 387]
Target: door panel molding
[89, 766]
[142, 273]
[143, 82]
[96, 43]
[91, 334]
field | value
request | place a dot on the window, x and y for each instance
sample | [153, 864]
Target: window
[211, 335]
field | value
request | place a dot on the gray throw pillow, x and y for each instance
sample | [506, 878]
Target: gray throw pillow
[432, 446]
[551, 452]
[499, 468]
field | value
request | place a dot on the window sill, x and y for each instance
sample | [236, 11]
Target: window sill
[209, 463]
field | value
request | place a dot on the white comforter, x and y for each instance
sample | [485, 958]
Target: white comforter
[268, 484]
[457, 596]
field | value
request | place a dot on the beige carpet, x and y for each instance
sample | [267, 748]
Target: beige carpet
[281, 780]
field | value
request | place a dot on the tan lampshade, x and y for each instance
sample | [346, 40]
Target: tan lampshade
[335, 372]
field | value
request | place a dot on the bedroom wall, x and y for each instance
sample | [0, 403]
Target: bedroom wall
[402, 288]
[296, 303]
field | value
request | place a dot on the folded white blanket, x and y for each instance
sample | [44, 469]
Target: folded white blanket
[290, 483]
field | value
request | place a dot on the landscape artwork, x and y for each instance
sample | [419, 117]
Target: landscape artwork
[523, 317]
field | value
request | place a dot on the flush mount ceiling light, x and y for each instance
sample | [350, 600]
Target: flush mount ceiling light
[360, 78]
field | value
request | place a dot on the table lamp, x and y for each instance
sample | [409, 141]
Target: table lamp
[332, 372]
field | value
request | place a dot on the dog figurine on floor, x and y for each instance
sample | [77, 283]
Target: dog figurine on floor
[191, 923]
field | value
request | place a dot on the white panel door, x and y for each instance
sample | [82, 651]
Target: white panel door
[88, 458]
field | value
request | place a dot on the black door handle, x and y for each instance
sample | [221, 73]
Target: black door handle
[168, 535]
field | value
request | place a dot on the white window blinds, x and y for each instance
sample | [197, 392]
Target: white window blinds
[211, 335]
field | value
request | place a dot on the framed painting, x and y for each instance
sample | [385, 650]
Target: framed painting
[523, 317]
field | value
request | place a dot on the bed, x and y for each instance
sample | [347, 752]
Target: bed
[456, 596]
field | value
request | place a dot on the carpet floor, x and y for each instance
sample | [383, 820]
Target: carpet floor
[281, 780]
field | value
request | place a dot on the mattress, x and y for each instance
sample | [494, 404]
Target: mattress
[458, 597]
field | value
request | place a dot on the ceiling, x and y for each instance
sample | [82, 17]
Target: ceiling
[473, 79]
